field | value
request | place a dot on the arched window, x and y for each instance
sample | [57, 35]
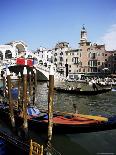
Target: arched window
[8, 54]
[1, 55]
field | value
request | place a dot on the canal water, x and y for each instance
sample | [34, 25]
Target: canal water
[95, 143]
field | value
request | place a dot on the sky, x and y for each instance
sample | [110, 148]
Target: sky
[47, 22]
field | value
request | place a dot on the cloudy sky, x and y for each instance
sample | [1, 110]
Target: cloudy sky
[47, 22]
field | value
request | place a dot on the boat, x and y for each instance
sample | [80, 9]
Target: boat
[113, 89]
[63, 122]
[14, 92]
[78, 91]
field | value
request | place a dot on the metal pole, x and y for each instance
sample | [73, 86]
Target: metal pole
[50, 104]
[25, 123]
[10, 99]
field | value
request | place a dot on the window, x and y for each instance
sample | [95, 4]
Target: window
[1, 55]
[55, 54]
[114, 59]
[61, 53]
[55, 59]
[8, 54]
[98, 63]
[106, 65]
[84, 70]
[98, 54]
[61, 58]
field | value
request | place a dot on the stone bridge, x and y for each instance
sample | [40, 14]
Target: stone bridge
[43, 72]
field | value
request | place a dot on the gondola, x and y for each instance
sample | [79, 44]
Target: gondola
[70, 124]
[64, 122]
[82, 92]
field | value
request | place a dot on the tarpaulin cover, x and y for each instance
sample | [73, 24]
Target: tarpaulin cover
[22, 61]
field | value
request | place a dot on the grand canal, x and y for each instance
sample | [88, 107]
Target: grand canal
[95, 143]
[103, 142]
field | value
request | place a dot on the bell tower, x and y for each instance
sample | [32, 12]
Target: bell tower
[83, 38]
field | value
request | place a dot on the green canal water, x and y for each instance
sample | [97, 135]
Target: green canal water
[103, 142]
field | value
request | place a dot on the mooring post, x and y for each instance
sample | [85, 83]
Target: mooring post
[25, 123]
[50, 104]
[10, 99]
[34, 85]
[4, 85]
[30, 84]
[19, 89]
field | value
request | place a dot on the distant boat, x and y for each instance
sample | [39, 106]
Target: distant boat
[82, 92]
[113, 89]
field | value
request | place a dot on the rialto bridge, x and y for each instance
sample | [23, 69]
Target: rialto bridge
[12, 49]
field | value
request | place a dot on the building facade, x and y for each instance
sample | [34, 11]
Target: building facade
[88, 60]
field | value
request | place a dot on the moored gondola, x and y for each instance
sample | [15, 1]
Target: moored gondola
[63, 122]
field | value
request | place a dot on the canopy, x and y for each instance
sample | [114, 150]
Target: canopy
[33, 111]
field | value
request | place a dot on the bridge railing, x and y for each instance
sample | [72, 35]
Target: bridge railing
[57, 75]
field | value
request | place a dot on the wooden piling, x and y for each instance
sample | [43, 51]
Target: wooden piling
[30, 84]
[4, 86]
[19, 89]
[25, 123]
[10, 99]
[50, 104]
[34, 85]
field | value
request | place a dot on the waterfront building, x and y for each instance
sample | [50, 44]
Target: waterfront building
[45, 56]
[88, 60]
[59, 56]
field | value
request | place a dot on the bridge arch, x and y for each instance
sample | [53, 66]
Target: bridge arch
[12, 49]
